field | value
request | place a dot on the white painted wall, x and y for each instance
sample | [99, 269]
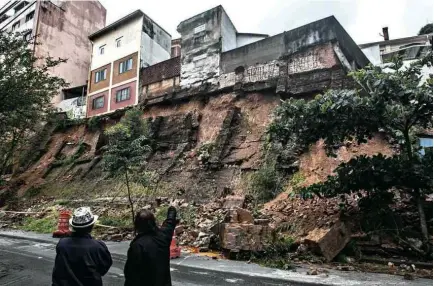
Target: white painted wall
[20, 16]
[243, 40]
[131, 41]
[151, 52]
[228, 33]
[373, 54]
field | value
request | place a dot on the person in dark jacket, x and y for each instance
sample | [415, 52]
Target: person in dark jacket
[81, 260]
[148, 259]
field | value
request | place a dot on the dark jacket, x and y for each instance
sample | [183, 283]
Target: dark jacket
[148, 260]
[80, 260]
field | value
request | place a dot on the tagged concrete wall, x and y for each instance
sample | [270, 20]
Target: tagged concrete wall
[200, 48]
[64, 33]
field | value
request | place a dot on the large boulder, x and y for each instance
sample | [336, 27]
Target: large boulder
[329, 241]
[239, 236]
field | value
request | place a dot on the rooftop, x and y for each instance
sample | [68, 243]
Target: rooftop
[120, 22]
[398, 41]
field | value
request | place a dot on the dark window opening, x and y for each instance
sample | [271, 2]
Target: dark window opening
[98, 102]
[123, 94]
[30, 16]
[100, 75]
[126, 65]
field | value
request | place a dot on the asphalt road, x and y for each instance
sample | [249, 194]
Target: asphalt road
[29, 263]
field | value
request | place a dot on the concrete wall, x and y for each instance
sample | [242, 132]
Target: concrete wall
[229, 32]
[245, 39]
[63, 32]
[255, 53]
[373, 54]
[200, 48]
[293, 41]
[155, 43]
[131, 41]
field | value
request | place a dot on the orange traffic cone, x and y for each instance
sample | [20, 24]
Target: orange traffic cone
[63, 224]
[175, 250]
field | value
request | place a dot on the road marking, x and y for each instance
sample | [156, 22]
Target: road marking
[234, 280]
[200, 272]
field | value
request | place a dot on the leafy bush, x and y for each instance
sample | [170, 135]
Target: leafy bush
[275, 255]
[265, 183]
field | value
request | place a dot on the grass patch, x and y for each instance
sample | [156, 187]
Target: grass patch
[42, 225]
[116, 221]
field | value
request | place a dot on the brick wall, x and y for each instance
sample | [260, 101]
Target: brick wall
[92, 112]
[94, 86]
[164, 70]
[120, 77]
[132, 100]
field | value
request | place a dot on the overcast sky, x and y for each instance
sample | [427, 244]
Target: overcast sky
[363, 19]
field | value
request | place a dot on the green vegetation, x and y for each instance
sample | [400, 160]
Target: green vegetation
[161, 214]
[188, 215]
[125, 153]
[26, 90]
[427, 29]
[396, 103]
[265, 183]
[41, 225]
[276, 253]
[115, 221]
[204, 152]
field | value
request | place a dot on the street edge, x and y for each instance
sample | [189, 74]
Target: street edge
[122, 258]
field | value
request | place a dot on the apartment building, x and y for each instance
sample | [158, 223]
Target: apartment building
[62, 28]
[119, 51]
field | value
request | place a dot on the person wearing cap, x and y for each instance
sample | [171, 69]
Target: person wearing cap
[81, 260]
[148, 258]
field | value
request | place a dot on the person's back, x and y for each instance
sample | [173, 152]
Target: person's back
[80, 260]
[148, 260]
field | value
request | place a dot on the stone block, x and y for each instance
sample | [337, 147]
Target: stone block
[234, 202]
[247, 237]
[329, 241]
[244, 216]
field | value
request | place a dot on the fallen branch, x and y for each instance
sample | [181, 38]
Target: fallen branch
[408, 244]
[106, 226]
[14, 212]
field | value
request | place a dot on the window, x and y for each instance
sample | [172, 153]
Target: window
[28, 36]
[30, 16]
[15, 26]
[126, 65]
[101, 50]
[3, 18]
[98, 102]
[100, 75]
[118, 42]
[425, 143]
[123, 94]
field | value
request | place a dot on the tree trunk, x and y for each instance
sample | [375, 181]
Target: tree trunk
[418, 197]
[129, 195]
[423, 225]
[8, 155]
